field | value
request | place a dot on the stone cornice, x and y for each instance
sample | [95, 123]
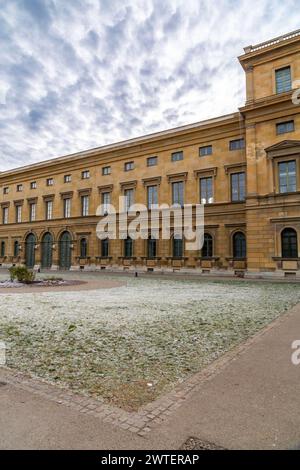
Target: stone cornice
[174, 177]
[154, 180]
[105, 188]
[234, 166]
[212, 171]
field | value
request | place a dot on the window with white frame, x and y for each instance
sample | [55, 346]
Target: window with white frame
[176, 156]
[129, 198]
[177, 193]
[85, 174]
[18, 214]
[5, 215]
[151, 161]
[106, 201]
[49, 210]
[284, 127]
[206, 190]
[204, 151]
[106, 170]
[67, 179]
[129, 166]
[67, 208]
[287, 177]
[152, 196]
[85, 205]
[32, 211]
[238, 187]
[237, 144]
[283, 79]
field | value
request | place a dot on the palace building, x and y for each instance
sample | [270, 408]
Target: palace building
[245, 168]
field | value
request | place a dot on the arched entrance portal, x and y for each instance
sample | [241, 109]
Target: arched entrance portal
[30, 243]
[47, 242]
[65, 250]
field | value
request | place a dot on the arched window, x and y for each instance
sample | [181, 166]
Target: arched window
[177, 247]
[16, 248]
[151, 247]
[128, 247]
[289, 243]
[239, 245]
[83, 248]
[207, 249]
[105, 248]
[2, 249]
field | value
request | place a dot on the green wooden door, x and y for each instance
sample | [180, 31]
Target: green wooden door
[47, 243]
[30, 250]
[65, 251]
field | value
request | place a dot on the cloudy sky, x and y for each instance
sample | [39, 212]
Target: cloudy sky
[76, 74]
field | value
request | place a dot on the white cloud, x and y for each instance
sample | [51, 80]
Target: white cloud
[84, 73]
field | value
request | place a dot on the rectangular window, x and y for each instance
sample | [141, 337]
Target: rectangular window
[5, 215]
[105, 248]
[129, 198]
[67, 208]
[85, 175]
[283, 79]
[176, 156]
[203, 151]
[206, 190]
[5, 190]
[128, 166]
[283, 127]
[237, 144]
[152, 196]
[177, 193]
[106, 170]
[128, 248]
[106, 202]
[18, 214]
[19, 188]
[49, 210]
[85, 206]
[33, 185]
[238, 186]
[32, 212]
[50, 181]
[287, 177]
[151, 161]
[67, 179]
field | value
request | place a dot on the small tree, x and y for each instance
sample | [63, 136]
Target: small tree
[22, 274]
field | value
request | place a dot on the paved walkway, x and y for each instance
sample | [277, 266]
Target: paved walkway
[250, 398]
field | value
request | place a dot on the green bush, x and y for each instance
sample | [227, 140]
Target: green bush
[22, 274]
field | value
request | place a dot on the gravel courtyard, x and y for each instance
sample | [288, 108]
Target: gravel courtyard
[131, 343]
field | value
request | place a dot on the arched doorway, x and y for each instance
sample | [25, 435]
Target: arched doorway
[30, 243]
[65, 250]
[47, 242]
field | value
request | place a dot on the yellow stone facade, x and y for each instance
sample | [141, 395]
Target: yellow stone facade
[261, 216]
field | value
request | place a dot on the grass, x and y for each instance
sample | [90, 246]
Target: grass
[130, 344]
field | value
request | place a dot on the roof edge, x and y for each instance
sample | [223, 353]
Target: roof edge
[121, 144]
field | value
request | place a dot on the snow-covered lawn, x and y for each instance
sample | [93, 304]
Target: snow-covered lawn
[128, 344]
